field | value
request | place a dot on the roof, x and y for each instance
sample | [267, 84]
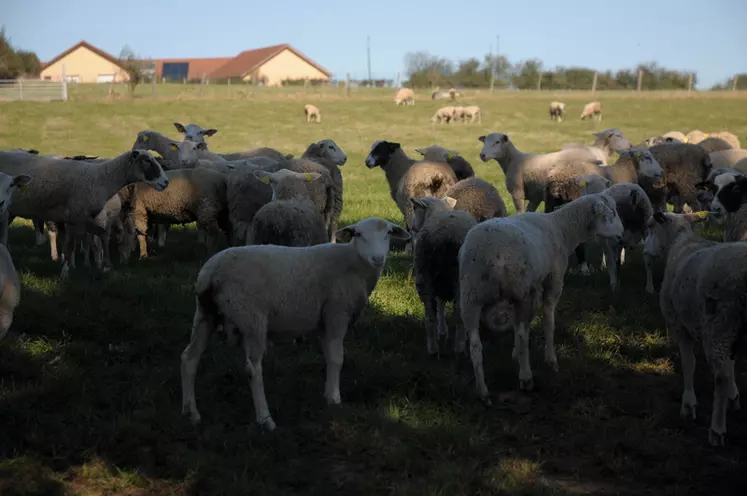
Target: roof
[197, 67]
[250, 60]
[83, 44]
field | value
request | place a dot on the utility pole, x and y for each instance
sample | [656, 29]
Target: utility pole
[368, 51]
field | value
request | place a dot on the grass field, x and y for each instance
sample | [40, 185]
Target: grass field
[89, 374]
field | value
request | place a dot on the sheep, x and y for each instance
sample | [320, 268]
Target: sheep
[330, 155]
[605, 144]
[445, 95]
[675, 136]
[443, 115]
[291, 218]
[714, 144]
[741, 166]
[727, 158]
[473, 112]
[407, 178]
[257, 289]
[477, 197]
[257, 152]
[110, 220]
[507, 266]
[75, 192]
[695, 137]
[591, 110]
[634, 209]
[557, 111]
[702, 300]
[434, 153]
[193, 132]
[312, 113]
[404, 96]
[193, 195]
[157, 142]
[708, 188]
[526, 173]
[440, 232]
[729, 202]
[729, 138]
[684, 165]
[656, 140]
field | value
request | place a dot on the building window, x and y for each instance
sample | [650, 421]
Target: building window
[175, 71]
[73, 78]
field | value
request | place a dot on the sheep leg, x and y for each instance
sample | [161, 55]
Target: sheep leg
[532, 206]
[161, 231]
[648, 263]
[6, 319]
[443, 328]
[723, 377]
[5, 222]
[203, 325]
[551, 295]
[431, 322]
[141, 227]
[470, 314]
[733, 389]
[101, 252]
[334, 355]
[85, 249]
[521, 340]
[73, 232]
[581, 258]
[41, 237]
[459, 334]
[611, 254]
[254, 338]
[687, 358]
[518, 203]
[52, 229]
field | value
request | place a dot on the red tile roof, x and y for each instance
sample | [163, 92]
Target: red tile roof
[251, 60]
[87, 45]
[197, 67]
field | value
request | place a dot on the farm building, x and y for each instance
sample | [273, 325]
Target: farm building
[84, 63]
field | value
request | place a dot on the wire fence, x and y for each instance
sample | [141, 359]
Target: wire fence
[32, 89]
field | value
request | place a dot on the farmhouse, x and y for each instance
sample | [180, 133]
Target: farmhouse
[84, 63]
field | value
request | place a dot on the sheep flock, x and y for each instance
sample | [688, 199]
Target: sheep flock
[276, 261]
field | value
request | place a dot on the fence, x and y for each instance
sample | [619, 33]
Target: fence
[32, 89]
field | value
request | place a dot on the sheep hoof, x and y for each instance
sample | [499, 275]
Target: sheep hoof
[650, 289]
[716, 439]
[268, 424]
[194, 417]
[527, 385]
[688, 410]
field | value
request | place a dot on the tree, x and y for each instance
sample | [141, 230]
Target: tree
[29, 63]
[133, 66]
[424, 69]
[10, 64]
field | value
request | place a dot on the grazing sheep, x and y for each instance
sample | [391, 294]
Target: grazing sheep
[508, 266]
[330, 155]
[193, 132]
[684, 166]
[727, 158]
[526, 173]
[729, 203]
[714, 144]
[194, 195]
[407, 178]
[443, 115]
[477, 197]
[257, 290]
[291, 218]
[695, 137]
[404, 96]
[445, 95]
[473, 113]
[75, 192]
[312, 113]
[606, 143]
[702, 299]
[591, 110]
[557, 111]
[434, 153]
[440, 233]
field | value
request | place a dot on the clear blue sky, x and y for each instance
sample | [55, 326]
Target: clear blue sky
[685, 34]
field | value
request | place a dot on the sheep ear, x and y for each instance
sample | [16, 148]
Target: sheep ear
[481, 138]
[696, 216]
[263, 176]
[583, 183]
[599, 208]
[660, 218]
[180, 128]
[202, 145]
[451, 154]
[634, 196]
[418, 203]
[504, 138]
[450, 201]
[345, 234]
[398, 233]
[393, 146]
[208, 132]
[174, 147]
[134, 154]
[311, 176]
[420, 151]
[144, 138]
[21, 180]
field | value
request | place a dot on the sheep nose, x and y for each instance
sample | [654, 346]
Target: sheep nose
[482, 157]
[378, 259]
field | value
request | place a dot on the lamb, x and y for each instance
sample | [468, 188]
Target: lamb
[10, 286]
[729, 202]
[557, 111]
[634, 209]
[193, 195]
[440, 233]
[729, 138]
[684, 166]
[330, 155]
[727, 158]
[606, 143]
[291, 218]
[75, 192]
[256, 289]
[312, 113]
[477, 197]
[526, 173]
[443, 115]
[591, 110]
[473, 112]
[702, 300]
[434, 153]
[508, 266]
[695, 137]
[193, 132]
[407, 178]
[714, 144]
[404, 96]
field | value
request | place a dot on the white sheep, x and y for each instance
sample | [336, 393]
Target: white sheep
[443, 115]
[404, 96]
[271, 290]
[434, 153]
[312, 113]
[193, 132]
[526, 173]
[591, 110]
[726, 158]
[702, 299]
[605, 144]
[473, 113]
[508, 266]
[557, 110]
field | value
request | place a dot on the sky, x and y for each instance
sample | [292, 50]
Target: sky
[682, 35]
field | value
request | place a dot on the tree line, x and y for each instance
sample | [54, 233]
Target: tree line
[16, 63]
[426, 70]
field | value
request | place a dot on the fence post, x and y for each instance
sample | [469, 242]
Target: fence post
[690, 83]
[734, 82]
[153, 86]
[202, 84]
[229, 87]
[492, 81]
[64, 83]
[539, 81]
[594, 83]
[640, 80]
[20, 88]
[347, 84]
